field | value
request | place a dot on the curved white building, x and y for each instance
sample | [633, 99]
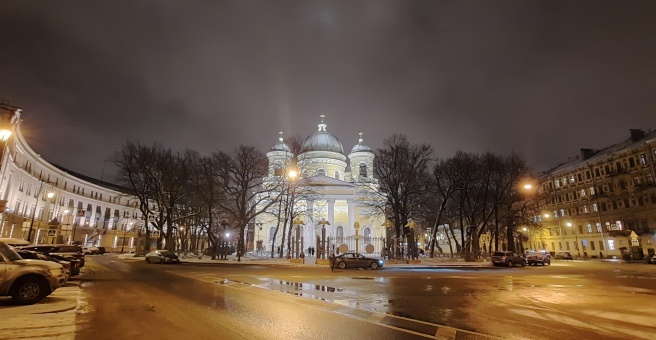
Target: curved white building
[45, 203]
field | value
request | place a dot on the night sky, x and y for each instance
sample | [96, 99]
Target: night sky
[542, 78]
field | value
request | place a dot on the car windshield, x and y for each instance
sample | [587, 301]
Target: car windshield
[9, 253]
[167, 253]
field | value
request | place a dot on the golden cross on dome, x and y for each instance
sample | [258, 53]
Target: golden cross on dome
[360, 139]
[280, 138]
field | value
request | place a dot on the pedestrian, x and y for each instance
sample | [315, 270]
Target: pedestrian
[601, 255]
[331, 260]
[312, 251]
[309, 250]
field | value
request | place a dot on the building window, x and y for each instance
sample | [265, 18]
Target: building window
[571, 179]
[337, 174]
[592, 247]
[594, 207]
[619, 225]
[560, 245]
[611, 244]
[585, 209]
[557, 183]
[272, 231]
[22, 185]
[598, 227]
[589, 228]
[553, 246]
[367, 233]
[339, 233]
[321, 172]
[567, 245]
[582, 192]
[363, 170]
[643, 159]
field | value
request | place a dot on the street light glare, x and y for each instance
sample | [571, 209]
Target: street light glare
[292, 173]
[50, 194]
[528, 186]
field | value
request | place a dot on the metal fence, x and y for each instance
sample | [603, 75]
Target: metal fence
[369, 246]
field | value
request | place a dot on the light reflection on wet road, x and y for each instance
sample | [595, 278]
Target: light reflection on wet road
[540, 303]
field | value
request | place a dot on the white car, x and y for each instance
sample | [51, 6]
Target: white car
[90, 250]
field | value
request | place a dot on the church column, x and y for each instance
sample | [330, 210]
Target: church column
[331, 211]
[351, 215]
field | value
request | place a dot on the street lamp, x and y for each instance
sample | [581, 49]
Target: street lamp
[36, 206]
[578, 250]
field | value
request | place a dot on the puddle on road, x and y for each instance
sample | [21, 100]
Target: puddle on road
[318, 292]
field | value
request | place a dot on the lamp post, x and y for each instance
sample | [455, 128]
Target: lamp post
[299, 242]
[259, 241]
[36, 206]
[124, 233]
[323, 223]
[578, 250]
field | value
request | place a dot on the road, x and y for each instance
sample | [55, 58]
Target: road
[584, 300]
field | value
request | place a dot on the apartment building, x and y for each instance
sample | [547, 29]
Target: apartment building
[602, 203]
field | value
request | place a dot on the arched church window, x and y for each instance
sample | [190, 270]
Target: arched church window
[272, 232]
[363, 169]
[321, 172]
[337, 174]
[340, 234]
[367, 234]
[277, 168]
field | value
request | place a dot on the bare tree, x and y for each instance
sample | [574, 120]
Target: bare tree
[159, 179]
[401, 169]
[244, 196]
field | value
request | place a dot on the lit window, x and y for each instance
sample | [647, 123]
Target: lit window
[611, 244]
[571, 179]
[592, 191]
[582, 192]
[619, 225]
[643, 159]
[557, 183]
[589, 228]
[594, 207]
[598, 227]
[585, 209]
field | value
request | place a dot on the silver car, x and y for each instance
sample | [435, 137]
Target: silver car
[27, 281]
[162, 256]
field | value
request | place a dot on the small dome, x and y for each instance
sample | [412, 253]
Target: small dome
[322, 141]
[361, 147]
[280, 146]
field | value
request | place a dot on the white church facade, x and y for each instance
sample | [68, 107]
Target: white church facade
[336, 192]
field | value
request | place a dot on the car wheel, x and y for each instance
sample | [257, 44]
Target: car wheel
[29, 291]
[374, 265]
[509, 264]
[549, 263]
[341, 265]
[523, 264]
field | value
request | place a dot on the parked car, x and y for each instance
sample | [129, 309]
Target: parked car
[564, 255]
[67, 251]
[27, 281]
[357, 260]
[14, 242]
[650, 258]
[538, 257]
[90, 250]
[162, 256]
[507, 258]
[32, 255]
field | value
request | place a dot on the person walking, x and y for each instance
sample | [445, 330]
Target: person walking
[331, 260]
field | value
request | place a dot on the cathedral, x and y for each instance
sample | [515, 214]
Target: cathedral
[334, 198]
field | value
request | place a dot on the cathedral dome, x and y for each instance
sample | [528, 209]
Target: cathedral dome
[322, 141]
[361, 147]
[280, 146]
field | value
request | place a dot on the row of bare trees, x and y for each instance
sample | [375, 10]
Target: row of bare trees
[189, 197]
[472, 193]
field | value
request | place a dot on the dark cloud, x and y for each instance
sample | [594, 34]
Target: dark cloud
[543, 78]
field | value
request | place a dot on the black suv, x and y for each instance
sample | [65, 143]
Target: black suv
[72, 252]
[507, 258]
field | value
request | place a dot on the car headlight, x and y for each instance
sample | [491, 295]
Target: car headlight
[55, 271]
[380, 261]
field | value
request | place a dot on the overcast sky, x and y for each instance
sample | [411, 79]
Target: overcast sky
[542, 78]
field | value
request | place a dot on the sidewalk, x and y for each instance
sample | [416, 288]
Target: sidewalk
[62, 299]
